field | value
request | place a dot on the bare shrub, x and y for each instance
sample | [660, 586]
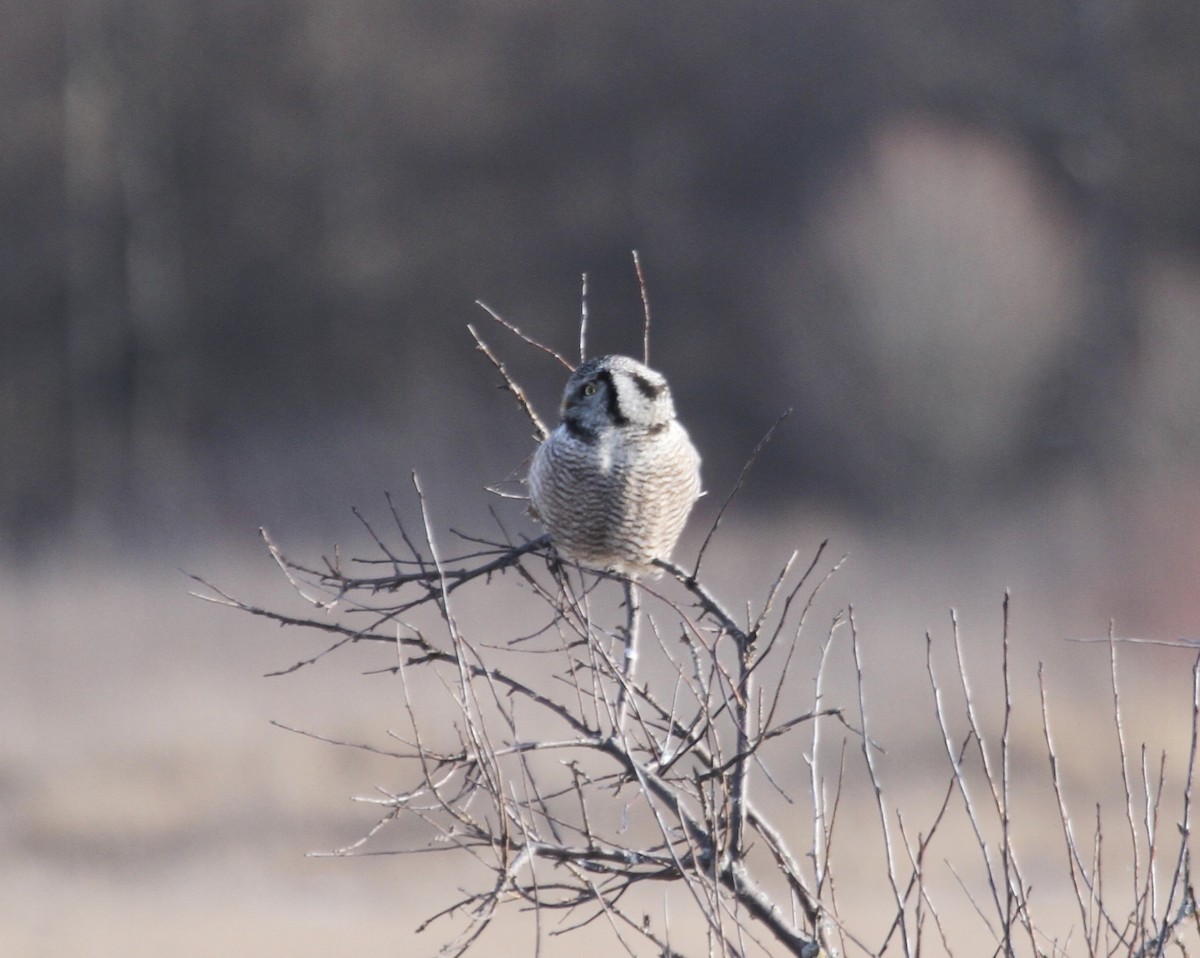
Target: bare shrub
[586, 790]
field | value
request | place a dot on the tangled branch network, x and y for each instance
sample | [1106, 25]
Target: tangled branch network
[676, 754]
[599, 748]
[574, 781]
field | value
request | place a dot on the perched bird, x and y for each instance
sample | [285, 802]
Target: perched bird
[614, 482]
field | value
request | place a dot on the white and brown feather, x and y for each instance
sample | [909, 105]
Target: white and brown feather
[615, 481]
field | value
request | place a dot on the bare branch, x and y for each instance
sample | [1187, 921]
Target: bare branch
[583, 320]
[536, 344]
[512, 386]
[641, 278]
[737, 486]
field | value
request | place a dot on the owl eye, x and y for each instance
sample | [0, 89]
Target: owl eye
[590, 389]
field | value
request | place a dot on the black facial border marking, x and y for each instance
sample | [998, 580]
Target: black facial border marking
[580, 431]
[614, 411]
[646, 388]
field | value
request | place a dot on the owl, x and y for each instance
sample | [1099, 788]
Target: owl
[614, 482]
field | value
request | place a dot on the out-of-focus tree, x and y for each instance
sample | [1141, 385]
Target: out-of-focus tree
[238, 228]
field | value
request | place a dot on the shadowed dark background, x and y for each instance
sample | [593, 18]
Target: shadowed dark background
[243, 241]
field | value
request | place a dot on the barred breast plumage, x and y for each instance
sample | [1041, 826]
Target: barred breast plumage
[615, 481]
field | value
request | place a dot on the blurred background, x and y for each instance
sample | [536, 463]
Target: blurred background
[242, 245]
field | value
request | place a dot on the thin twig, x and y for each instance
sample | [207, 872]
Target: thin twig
[511, 384]
[877, 787]
[762, 443]
[536, 344]
[637, 265]
[583, 320]
[1180, 880]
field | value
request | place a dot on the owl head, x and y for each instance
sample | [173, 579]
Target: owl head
[616, 392]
